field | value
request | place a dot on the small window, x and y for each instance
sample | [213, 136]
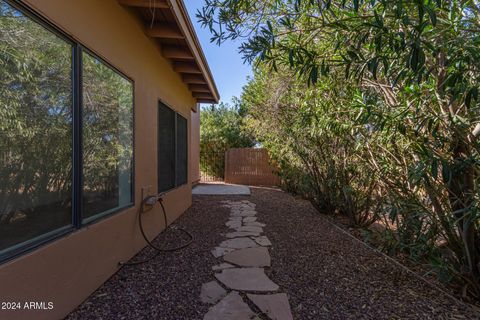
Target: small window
[172, 149]
[182, 150]
[35, 131]
[166, 148]
[107, 154]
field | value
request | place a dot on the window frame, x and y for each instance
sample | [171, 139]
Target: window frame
[186, 164]
[76, 222]
[101, 215]
[176, 115]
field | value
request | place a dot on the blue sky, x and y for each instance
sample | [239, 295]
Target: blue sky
[225, 62]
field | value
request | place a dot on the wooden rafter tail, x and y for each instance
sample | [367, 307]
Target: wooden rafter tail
[153, 4]
[199, 88]
[164, 31]
[177, 52]
[194, 79]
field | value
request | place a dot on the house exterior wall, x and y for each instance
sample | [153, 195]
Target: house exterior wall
[195, 147]
[67, 270]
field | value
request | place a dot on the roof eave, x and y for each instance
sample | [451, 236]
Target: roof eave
[187, 27]
[167, 22]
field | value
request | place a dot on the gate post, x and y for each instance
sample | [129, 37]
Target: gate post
[225, 173]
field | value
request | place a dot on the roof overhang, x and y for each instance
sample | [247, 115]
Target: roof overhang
[168, 22]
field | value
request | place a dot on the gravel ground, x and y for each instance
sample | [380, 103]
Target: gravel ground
[168, 287]
[326, 274]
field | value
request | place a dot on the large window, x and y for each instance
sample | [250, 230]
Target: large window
[107, 138]
[172, 149]
[35, 129]
[66, 155]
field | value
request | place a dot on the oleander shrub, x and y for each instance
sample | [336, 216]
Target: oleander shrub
[371, 109]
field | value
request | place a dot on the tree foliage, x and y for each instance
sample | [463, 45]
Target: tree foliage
[221, 128]
[387, 107]
[35, 115]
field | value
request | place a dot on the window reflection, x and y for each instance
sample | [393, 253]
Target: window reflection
[35, 130]
[107, 138]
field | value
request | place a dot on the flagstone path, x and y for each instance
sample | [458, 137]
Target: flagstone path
[245, 257]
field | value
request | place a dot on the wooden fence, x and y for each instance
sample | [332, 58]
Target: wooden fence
[249, 166]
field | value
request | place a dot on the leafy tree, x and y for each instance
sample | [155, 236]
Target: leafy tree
[420, 60]
[221, 128]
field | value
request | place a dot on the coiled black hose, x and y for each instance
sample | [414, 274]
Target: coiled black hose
[150, 244]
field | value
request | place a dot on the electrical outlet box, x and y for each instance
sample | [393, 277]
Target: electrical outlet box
[147, 191]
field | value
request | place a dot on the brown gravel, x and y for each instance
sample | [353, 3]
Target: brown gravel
[329, 275]
[326, 274]
[167, 287]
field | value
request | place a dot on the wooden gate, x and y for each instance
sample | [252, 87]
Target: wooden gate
[212, 166]
[249, 166]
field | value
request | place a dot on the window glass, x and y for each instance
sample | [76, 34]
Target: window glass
[166, 148]
[35, 130]
[182, 150]
[107, 138]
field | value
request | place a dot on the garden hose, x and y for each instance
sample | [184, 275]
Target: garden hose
[150, 244]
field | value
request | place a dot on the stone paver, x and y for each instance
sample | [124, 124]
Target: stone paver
[246, 279]
[212, 292]
[250, 229]
[239, 243]
[245, 253]
[263, 241]
[238, 234]
[244, 214]
[222, 266]
[254, 224]
[275, 306]
[218, 251]
[249, 257]
[234, 224]
[231, 307]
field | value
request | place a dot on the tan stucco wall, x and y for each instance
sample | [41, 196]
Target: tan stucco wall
[68, 270]
[195, 147]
